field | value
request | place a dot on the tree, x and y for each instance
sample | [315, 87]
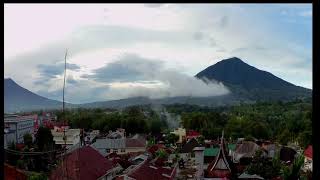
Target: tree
[27, 139]
[284, 137]
[161, 153]
[264, 167]
[200, 140]
[172, 138]
[44, 139]
[293, 172]
[37, 176]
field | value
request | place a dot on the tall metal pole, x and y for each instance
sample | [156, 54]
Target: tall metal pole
[63, 106]
[64, 78]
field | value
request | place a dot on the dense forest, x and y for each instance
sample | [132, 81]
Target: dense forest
[283, 122]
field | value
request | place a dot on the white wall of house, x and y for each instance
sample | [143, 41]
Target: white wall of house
[73, 136]
[307, 163]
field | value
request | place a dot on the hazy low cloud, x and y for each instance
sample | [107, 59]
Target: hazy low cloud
[224, 21]
[55, 69]
[198, 35]
[171, 83]
[128, 68]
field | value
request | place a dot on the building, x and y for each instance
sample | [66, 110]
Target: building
[181, 132]
[85, 164]
[220, 167]
[210, 154]
[192, 134]
[150, 170]
[12, 173]
[90, 136]
[245, 150]
[308, 159]
[120, 146]
[119, 133]
[189, 146]
[46, 118]
[16, 127]
[72, 136]
[199, 160]
[287, 154]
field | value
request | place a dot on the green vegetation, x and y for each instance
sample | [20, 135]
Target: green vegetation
[161, 153]
[293, 172]
[281, 121]
[44, 139]
[171, 138]
[264, 167]
[27, 139]
[37, 176]
[135, 119]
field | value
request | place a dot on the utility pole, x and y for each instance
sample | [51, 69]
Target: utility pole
[63, 112]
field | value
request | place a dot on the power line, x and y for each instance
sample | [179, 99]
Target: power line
[30, 153]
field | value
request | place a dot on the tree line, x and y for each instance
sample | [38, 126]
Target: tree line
[281, 121]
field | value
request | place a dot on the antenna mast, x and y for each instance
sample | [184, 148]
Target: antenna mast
[64, 79]
[63, 106]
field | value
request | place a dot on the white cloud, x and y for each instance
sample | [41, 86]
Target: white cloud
[99, 34]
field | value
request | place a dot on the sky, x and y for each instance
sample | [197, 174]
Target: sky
[117, 51]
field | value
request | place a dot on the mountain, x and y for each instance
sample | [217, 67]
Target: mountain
[246, 83]
[249, 82]
[17, 98]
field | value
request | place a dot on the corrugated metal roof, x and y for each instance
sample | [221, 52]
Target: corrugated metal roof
[232, 147]
[109, 143]
[211, 151]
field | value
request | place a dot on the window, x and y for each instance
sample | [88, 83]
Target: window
[123, 150]
[115, 150]
[108, 150]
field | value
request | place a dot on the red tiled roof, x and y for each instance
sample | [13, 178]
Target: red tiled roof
[308, 152]
[149, 171]
[154, 148]
[83, 164]
[193, 133]
[20, 146]
[12, 173]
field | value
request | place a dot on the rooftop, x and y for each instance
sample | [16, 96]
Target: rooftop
[83, 164]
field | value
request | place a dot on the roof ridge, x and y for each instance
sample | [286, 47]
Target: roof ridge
[221, 153]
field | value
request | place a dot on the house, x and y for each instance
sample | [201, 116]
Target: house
[72, 136]
[150, 170]
[16, 127]
[308, 159]
[210, 154]
[154, 148]
[85, 164]
[119, 133]
[287, 154]
[220, 167]
[189, 146]
[119, 146]
[192, 134]
[246, 150]
[246, 176]
[270, 149]
[181, 132]
[90, 136]
[12, 173]
[199, 161]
